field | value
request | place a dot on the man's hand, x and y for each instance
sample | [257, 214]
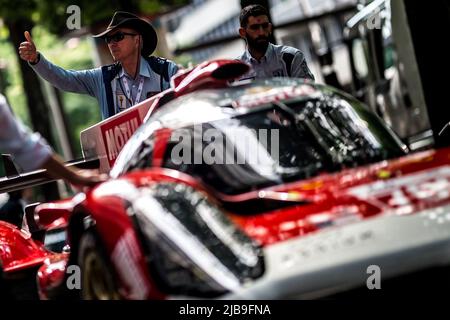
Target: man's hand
[27, 49]
[86, 178]
[79, 178]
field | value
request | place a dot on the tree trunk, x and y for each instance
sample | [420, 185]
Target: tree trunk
[37, 107]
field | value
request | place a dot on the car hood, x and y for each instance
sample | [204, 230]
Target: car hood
[399, 187]
[17, 250]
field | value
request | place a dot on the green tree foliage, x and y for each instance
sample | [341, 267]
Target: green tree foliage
[19, 9]
[53, 13]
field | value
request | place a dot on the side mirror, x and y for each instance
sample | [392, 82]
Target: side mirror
[53, 215]
[39, 218]
[46, 223]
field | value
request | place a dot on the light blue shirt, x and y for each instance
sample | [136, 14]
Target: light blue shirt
[91, 81]
[29, 150]
[152, 86]
[273, 65]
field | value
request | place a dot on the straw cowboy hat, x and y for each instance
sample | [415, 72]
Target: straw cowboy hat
[143, 27]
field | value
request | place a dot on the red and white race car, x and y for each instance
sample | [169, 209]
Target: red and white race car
[257, 190]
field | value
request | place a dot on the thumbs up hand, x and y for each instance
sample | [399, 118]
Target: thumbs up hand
[27, 49]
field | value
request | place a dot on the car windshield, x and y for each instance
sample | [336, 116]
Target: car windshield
[282, 142]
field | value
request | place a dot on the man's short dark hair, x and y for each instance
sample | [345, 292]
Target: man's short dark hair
[253, 10]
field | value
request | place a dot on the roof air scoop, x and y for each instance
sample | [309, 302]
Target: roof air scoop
[209, 74]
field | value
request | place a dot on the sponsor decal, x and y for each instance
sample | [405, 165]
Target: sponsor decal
[409, 193]
[117, 132]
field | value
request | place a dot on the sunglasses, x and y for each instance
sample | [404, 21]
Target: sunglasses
[116, 37]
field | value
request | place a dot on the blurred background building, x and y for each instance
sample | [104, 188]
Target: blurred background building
[348, 44]
[313, 26]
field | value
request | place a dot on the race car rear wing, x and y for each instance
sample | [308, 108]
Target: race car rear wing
[17, 181]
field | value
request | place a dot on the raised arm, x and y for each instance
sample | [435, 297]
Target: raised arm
[84, 81]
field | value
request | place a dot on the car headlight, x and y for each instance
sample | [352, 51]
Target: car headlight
[191, 246]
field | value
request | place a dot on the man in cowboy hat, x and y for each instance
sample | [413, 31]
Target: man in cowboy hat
[133, 77]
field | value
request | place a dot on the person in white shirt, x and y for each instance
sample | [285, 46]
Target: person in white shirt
[31, 151]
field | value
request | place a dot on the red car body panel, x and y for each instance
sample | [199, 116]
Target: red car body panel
[119, 238]
[54, 215]
[51, 273]
[18, 251]
[117, 235]
[333, 201]
[161, 138]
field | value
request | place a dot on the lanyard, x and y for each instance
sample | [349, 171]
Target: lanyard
[128, 92]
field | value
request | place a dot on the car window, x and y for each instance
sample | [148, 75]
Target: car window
[348, 132]
[323, 135]
[276, 143]
[246, 152]
[143, 156]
